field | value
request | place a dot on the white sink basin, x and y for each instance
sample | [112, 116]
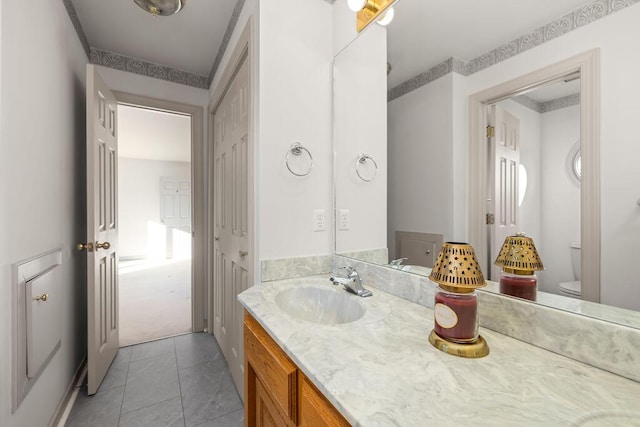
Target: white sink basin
[320, 305]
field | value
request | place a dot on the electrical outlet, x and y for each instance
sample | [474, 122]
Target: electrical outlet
[319, 220]
[343, 220]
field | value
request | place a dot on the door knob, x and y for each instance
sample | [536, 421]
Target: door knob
[428, 251]
[105, 245]
[43, 297]
[243, 253]
[82, 247]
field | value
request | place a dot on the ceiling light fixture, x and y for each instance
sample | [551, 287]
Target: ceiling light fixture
[160, 7]
[356, 5]
[386, 18]
[369, 11]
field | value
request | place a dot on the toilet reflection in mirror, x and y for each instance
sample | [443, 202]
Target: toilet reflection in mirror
[572, 287]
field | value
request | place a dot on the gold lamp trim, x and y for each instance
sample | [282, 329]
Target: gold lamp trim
[519, 255]
[474, 350]
[372, 11]
[457, 268]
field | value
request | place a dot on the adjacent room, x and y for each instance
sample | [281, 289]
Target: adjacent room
[154, 208]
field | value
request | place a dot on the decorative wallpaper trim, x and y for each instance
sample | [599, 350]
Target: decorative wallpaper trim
[604, 345]
[225, 40]
[290, 268]
[560, 103]
[578, 18]
[545, 107]
[144, 68]
[450, 65]
[528, 102]
[73, 15]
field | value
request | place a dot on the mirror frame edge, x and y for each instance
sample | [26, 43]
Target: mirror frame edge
[588, 64]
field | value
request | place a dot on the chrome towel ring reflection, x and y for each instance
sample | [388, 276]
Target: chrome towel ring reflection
[361, 160]
[296, 149]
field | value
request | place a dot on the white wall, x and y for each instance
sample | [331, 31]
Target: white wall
[561, 197]
[295, 64]
[360, 126]
[42, 169]
[139, 199]
[616, 37]
[420, 150]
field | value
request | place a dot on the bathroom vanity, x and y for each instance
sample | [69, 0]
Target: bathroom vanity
[376, 367]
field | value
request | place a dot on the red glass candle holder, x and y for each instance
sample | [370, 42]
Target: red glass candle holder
[517, 285]
[456, 315]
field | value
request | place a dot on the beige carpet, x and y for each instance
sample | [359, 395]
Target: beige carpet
[155, 300]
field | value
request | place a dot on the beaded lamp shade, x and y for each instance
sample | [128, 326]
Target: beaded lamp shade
[457, 267]
[519, 255]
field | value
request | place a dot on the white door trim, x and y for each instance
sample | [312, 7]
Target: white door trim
[588, 64]
[198, 195]
[244, 47]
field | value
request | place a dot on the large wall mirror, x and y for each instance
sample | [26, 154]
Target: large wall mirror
[446, 75]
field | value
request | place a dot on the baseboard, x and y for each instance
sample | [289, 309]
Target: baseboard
[61, 414]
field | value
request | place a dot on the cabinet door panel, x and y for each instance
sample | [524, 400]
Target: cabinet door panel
[266, 413]
[315, 409]
[272, 367]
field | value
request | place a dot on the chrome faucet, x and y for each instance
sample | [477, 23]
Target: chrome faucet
[352, 282]
[397, 263]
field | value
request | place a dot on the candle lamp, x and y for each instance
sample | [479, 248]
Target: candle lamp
[519, 261]
[457, 273]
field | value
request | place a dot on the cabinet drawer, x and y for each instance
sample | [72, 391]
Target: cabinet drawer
[272, 366]
[315, 409]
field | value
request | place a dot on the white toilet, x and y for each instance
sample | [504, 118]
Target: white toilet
[572, 289]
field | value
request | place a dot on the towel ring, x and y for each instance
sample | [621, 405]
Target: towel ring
[296, 149]
[361, 160]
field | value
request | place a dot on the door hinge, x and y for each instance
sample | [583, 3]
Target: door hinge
[491, 131]
[491, 219]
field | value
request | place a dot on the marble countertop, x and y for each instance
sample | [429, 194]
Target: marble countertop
[381, 370]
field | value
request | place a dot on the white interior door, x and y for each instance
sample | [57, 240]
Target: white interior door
[504, 161]
[233, 261]
[102, 229]
[175, 215]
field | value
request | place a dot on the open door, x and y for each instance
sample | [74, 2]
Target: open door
[504, 143]
[102, 229]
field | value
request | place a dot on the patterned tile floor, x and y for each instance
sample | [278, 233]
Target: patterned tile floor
[182, 381]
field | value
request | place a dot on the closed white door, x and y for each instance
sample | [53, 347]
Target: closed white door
[102, 229]
[175, 203]
[233, 261]
[175, 215]
[505, 155]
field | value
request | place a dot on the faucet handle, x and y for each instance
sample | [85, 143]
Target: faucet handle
[398, 262]
[350, 270]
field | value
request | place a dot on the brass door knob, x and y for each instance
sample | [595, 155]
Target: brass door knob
[43, 297]
[243, 253]
[105, 245]
[82, 247]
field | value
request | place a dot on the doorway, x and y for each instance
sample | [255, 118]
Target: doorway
[586, 65]
[154, 210]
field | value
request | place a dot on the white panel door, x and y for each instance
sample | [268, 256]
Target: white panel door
[232, 260]
[102, 229]
[505, 155]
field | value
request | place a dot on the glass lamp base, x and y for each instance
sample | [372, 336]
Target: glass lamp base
[473, 350]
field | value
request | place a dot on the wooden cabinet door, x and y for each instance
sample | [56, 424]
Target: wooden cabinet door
[315, 410]
[266, 412]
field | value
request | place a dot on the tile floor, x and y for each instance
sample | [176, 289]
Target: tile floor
[182, 381]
